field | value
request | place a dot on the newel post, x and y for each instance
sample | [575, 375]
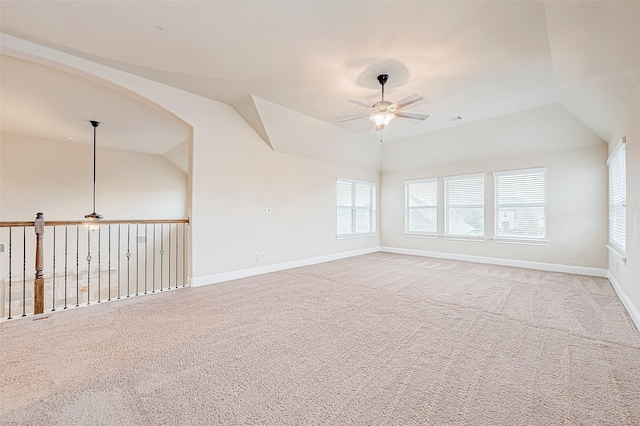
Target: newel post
[38, 283]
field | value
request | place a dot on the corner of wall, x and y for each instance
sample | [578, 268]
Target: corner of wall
[624, 298]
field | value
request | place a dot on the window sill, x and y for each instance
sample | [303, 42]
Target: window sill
[617, 254]
[463, 238]
[419, 235]
[502, 240]
[348, 236]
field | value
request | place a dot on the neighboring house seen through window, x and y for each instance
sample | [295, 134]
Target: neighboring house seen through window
[356, 205]
[520, 205]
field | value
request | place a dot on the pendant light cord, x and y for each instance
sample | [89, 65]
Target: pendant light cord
[95, 125]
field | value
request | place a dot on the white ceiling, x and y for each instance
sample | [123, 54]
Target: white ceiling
[41, 102]
[476, 59]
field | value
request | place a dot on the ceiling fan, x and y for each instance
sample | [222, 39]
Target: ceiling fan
[382, 112]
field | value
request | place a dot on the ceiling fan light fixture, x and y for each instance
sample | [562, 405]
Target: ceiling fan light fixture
[382, 118]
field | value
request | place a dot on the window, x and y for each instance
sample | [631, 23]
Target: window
[618, 200]
[520, 205]
[464, 206]
[356, 208]
[421, 201]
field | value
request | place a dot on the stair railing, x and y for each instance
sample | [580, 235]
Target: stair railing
[85, 262]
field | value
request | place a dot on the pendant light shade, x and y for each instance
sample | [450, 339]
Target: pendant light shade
[94, 215]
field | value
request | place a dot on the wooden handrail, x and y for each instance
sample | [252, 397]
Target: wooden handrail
[113, 222]
[6, 224]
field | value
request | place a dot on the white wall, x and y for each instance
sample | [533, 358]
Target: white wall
[537, 130]
[543, 137]
[179, 156]
[297, 134]
[240, 176]
[55, 177]
[627, 276]
[0, 176]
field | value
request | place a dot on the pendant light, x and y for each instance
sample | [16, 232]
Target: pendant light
[94, 215]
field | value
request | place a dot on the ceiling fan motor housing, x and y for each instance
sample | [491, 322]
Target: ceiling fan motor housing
[383, 106]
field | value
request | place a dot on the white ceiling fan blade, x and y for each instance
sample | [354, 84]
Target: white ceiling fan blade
[362, 104]
[411, 99]
[355, 117]
[412, 115]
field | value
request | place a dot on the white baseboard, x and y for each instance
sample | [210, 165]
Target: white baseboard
[243, 273]
[579, 270]
[633, 311]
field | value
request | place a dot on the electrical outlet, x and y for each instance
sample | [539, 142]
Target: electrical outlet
[258, 257]
[573, 255]
[142, 239]
[2, 248]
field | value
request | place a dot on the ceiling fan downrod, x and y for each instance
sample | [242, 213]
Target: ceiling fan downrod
[382, 79]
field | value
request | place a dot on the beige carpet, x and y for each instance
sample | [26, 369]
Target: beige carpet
[377, 339]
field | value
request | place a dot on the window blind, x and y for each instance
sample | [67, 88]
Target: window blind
[355, 207]
[520, 204]
[618, 198]
[421, 199]
[464, 205]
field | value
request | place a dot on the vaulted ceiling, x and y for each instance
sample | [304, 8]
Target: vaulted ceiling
[472, 59]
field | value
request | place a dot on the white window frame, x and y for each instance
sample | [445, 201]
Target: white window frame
[447, 234]
[617, 169]
[372, 210]
[519, 239]
[408, 208]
